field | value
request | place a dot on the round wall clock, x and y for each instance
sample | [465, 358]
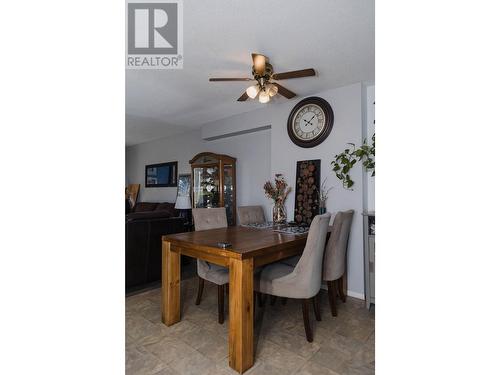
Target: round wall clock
[310, 122]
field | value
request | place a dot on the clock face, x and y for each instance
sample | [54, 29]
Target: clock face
[309, 122]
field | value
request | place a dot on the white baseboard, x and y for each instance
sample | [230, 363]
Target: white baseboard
[350, 293]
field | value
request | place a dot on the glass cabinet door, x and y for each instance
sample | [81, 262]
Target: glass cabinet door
[206, 186]
[229, 193]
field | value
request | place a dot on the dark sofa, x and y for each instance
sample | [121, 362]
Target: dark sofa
[144, 226]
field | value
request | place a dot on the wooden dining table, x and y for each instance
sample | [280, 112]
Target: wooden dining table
[250, 248]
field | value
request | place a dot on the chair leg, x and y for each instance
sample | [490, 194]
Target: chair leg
[273, 300]
[317, 311]
[307, 324]
[220, 300]
[340, 283]
[201, 283]
[283, 301]
[332, 295]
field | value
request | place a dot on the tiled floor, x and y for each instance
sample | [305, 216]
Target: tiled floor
[198, 344]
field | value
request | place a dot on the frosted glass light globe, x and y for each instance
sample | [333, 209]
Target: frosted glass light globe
[252, 91]
[263, 97]
[271, 89]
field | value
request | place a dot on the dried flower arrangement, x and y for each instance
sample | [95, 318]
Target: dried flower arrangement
[323, 194]
[280, 191]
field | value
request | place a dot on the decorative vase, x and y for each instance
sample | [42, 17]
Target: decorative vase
[322, 210]
[279, 213]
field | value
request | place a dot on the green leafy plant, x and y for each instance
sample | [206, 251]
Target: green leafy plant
[344, 161]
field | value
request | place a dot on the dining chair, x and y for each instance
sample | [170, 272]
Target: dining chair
[204, 219]
[250, 215]
[334, 262]
[302, 281]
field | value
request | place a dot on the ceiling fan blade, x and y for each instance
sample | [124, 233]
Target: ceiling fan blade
[259, 63]
[229, 79]
[284, 91]
[243, 97]
[295, 74]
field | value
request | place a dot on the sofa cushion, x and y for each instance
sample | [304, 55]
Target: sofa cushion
[145, 206]
[148, 215]
[166, 207]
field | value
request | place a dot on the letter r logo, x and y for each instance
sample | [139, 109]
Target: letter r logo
[152, 28]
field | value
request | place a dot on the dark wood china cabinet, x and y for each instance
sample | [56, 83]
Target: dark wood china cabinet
[213, 179]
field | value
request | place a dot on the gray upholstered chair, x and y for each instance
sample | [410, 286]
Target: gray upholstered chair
[302, 281]
[335, 257]
[204, 219]
[292, 261]
[251, 214]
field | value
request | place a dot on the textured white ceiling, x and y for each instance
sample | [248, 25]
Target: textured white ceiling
[335, 37]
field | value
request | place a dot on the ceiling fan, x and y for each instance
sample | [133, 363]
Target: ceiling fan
[266, 87]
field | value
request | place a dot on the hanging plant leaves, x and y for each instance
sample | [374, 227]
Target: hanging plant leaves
[344, 161]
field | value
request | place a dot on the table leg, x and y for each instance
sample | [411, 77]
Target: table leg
[241, 314]
[170, 285]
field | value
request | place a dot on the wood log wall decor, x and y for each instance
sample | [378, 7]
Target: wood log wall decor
[308, 182]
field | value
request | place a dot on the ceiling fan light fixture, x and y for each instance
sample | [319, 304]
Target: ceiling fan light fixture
[252, 91]
[264, 97]
[271, 89]
[266, 79]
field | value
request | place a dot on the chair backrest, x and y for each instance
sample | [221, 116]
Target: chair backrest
[209, 218]
[336, 248]
[251, 214]
[307, 272]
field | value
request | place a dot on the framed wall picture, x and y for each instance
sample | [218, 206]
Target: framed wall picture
[161, 175]
[184, 185]
[308, 183]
